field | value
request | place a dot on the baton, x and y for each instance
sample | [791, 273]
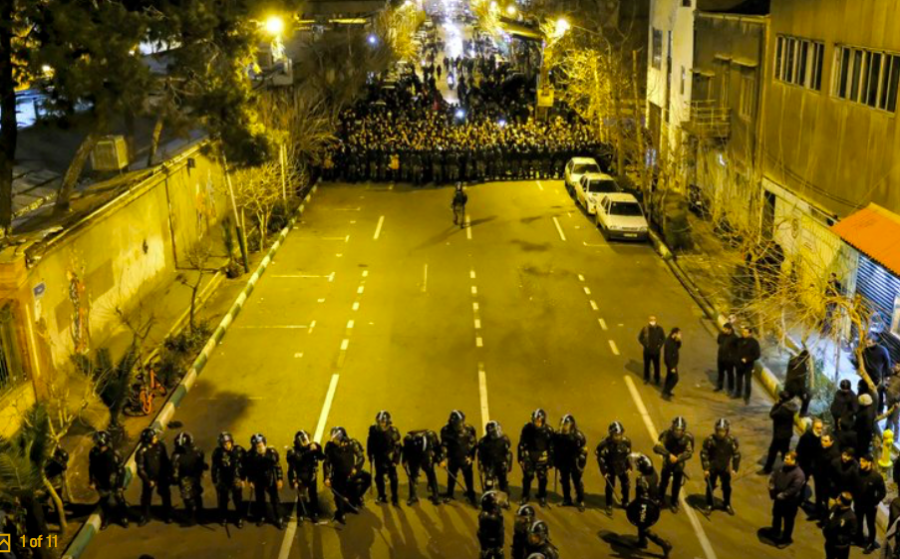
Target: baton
[555, 479]
[456, 479]
[300, 500]
[610, 487]
[341, 497]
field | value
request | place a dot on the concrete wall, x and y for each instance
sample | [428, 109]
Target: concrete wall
[837, 154]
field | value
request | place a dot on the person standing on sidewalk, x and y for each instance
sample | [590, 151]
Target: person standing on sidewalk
[865, 424]
[877, 362]
[105, 471]
[785, 489]
[796, 380]
[652, 337]
[870, 493]
[671, 353]
[726, 357]
[748, 353]
[782, 415]
[809, 448]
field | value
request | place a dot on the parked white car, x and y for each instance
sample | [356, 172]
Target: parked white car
[619, 216]
[576, 167]
[592, 187]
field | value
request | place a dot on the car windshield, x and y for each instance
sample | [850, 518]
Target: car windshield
[582, 168]
[625, 208]
[602, 186]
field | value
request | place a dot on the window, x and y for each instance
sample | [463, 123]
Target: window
[657, 49]
[867, 77]
[799, 62]
[10, 367]
[748, 96]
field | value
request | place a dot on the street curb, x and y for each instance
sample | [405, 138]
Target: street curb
[90, 528]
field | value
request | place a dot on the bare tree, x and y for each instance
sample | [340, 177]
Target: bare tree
[197, 257]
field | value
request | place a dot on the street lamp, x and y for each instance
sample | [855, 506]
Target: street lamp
[562, 26]
[274, 26]
[511, 10]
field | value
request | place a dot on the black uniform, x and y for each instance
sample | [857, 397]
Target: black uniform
[720, 457]
[726, 358]
[155, 471]
[458, 446]
[491, 534]
[748, 353]
[495, 461]
[105, 471]
[383, 449]
[612, 458]
[643, 512]
[520, 535]
[782, 414]
[547, 549]
[264, 471]
[570, 457]
[652, 339]
[535, 457]
[343, 467]
[188, 465]
[303, 470]
[682, 449]
[421, 451]
[228, 477]
[671, 353]
[839, 532]
[870, 493]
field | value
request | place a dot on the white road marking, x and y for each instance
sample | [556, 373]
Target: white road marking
[320, 300]
[594, 305]
[559, 228]
[346, 209]
[425, 279]
[475, 306]
[326, 407]
[479, 342]
[289, 532]
[311, 326]
[345, 343]
[360, 289]
[349, 324]
[540, 185]
[612, 346]
[602, 323]
[378, 228]
[587, 291]
[587, 244]
[474, 290]
[298, 355]
[339, 254]
[299, 276]
[472, 274]
[482, 390]
[345, 239]
[365, 273]
[580, 277]
[478, 324]
[468, 228]
[356, 305]
[692, 516]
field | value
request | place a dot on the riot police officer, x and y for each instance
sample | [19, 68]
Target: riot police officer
[490, 526]
[523, 521]
[383, 449]
[494, 458]
[188, 465]
[421, 451]
[344, 474]
[721, 458]
[303, 468]
[613, 454]
[105, 473]
[539, 541]
[643, 512]
[228, 477]
[570, 457]
[263, 469]
[458, 442]
[155, 471]
[676, 446]
[535, 453]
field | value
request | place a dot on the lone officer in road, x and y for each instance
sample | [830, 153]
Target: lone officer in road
[652, 337]
[303, 473]
[523, 521]
[494, 458]
[421, 451]
[188, 465]
[490, 525]
[643, 511]
[721, 458]
[539, 541]
[228, 477]
[613, 457]
[155, 471]
[460, 198]
[458, 441]
[676, 446]
[105, 472]
[383, 448]
[570, 457]
[263, 469]
[536, 455]
[344, 474]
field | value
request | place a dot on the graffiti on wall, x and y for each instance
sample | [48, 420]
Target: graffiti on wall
[205, 204]
[80, 327]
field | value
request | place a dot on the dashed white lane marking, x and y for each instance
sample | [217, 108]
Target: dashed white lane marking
[472, 274]
[425, 279]
[612, 346]
[559, 228]
[305, 276]
[587, 290]
[651, 429]
[326, 407]
[360, 289]
[378, 228]
[349, 324]
[580, 277]
[474, 290]
[482, 390]
[345, 343]
[475, 306]
[356, 305]
[468, 228]
[289, 532]
[311, 326]
[479, 342]
[478, 324]
[540, 185]
[365, 273]
[320, 300]
[274, 327]
[602, 323]
[594, 305]
[298, 355]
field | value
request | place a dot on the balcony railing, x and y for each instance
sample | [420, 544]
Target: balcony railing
[709, 120]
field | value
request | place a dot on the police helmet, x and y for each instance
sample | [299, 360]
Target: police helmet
[525, 511]
[538, 532]
[457, 418]
[538, 414]
[641, 462]
[679, 423]
[257, 438]
[101, 438]
[147, 435]
[537, 556]
[723, 424]
[301, 438]
[184, 439]
[616, 428]
[567, 423]
[225, 437]
[338, 434]
[490, 500]
[493, 429]
[383, 416]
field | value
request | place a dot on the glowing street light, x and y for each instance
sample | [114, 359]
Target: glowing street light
[373, 40]
[274, 26]
[511, 10]
[562, 25]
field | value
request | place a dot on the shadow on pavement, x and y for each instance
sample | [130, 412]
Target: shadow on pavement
[623, 546]
[482, 220]
[531, 247]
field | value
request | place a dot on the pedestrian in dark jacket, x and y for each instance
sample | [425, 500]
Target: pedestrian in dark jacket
[748, 353]
[785, 489]
[846, 435]
[870, 493]
[671, 351]
[782, 415]
[865, 424]
[726, 358]
[840, 528]
[652, 337]
[809, 447]
[844, 403]
[824, 474]
[877, 362]
[796, 381]
[845, 474]
[892, 399]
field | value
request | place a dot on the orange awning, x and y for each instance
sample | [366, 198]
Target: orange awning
[875, 232]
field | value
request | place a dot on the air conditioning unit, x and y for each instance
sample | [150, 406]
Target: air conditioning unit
[110, 154]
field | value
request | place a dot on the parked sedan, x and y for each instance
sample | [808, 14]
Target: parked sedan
[592, 187]
[576, 167]
[619, 216]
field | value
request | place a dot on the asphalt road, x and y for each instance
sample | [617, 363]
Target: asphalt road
[377, 301]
